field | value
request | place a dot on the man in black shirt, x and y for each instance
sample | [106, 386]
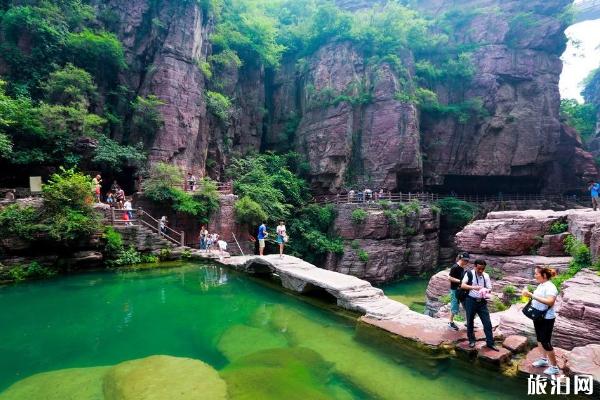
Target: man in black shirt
[456, 274]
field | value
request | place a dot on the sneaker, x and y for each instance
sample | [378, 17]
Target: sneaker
[453, 326]
[541, 362]
[552, 370]
[471, 344]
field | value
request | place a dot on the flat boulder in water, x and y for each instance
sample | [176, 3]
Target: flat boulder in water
[163, 377]
[64, 384]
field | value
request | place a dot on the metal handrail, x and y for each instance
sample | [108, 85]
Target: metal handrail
[360, 198]
[176, 237]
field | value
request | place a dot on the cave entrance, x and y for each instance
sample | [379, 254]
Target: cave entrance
[489, 185]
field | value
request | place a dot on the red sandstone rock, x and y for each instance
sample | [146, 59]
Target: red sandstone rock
[494, 357]
[553, 245]
[527, 369]
[578, 321]
[584, 361]
[513, 322]
[515, 343]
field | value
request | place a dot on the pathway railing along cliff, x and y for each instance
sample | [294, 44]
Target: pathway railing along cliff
[142, 218]
[432, 197]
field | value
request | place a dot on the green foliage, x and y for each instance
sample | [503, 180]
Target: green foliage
[129, 256]
[163, 185]
[310, 228]
[359, 216]
[445, 299]
[32, 270]
[100, 53]
[270, 180]
[355, 245]
[113, 243]
[109, 154]
[498, 305]
[70, 85]
[205, 68]
[146, 118]
[558, 227]
[458, 213]
[219, 105]
[509, 290]
[6, 146]
[495, 273]
[582, 117]
[247, 211]
[582, 258]
[66, 216]
[363, 256]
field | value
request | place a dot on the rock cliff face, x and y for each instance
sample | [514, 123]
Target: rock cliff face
[390, 250]
[340, 110]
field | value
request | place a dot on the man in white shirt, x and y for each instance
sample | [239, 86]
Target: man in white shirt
[479, 285]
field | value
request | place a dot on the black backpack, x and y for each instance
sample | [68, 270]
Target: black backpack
[461, 294]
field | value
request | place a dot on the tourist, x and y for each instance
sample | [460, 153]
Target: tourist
[97, 184]
[594, 189]
[368, 195]
[110, 200]
[476, 302]
[456, 275]
[203, 237]
[191, 181]
[262, 235]
[120, 197]
[222, 247]
[359, 196]
[163, 225]
[129, 210]
[543, 299]
[114, 187]
[281, 237]
[351, 196]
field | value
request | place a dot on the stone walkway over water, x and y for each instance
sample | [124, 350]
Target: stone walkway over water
[356, 295]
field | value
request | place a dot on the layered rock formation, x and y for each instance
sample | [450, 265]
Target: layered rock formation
[395, 246]
[341, 111]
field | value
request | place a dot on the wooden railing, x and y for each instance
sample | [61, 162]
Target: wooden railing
[222, 187]
[360, 197]
[142, 218]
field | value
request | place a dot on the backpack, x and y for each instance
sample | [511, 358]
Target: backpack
[461, 294]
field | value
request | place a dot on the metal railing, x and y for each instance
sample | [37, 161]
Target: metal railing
[361, 197]
[142, 218]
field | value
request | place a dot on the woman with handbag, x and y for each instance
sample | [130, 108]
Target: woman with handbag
[541, 310]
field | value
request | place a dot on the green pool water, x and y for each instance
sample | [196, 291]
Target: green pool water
[409, 291]
[262, 342]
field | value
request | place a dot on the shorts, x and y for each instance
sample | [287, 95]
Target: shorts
[454, 302]
[261, 243]
[280, 239]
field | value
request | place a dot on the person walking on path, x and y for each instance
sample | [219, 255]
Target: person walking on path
[163, 225]
[262, 235]
[191, 181]
[594, 188]
[281, 237]
[120, 198]
[476, 303]
[203, 237]
[543, 299]
[97, 183]
[457, 272]
[129, 211]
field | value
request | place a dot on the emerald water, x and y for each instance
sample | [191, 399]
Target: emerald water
[409, 291]
[263, 342]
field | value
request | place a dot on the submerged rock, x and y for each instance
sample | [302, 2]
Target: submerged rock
[163, 377]
[154, 377]
[241, 340]
[64, 384]
[285, 373]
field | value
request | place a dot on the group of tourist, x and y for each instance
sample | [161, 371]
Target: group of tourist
[281, 239]
[366, 196]
[472, 288]
[211, 241]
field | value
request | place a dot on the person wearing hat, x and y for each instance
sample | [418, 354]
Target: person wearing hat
[455, 277]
